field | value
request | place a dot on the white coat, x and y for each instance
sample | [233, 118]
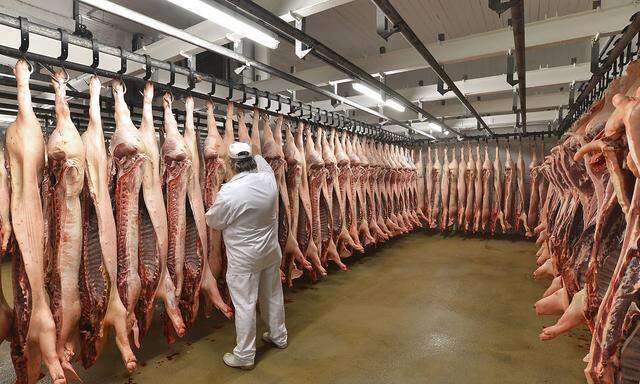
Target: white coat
[245, 210]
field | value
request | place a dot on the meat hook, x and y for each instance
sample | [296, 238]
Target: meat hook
[24, 34]
[268, 99]
[244, 94]
[95, 54]
[147, 67]
[123, 62]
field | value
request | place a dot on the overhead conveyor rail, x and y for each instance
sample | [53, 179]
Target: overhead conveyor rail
[400, 25]
[272, 22]
[196, 81]
[166, 29]
[605, 70]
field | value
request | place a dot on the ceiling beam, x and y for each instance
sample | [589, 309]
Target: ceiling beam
[284, 30]
[500, 106]
[401, 25]
[300, 8]
[481, 86]
[541, 33]
[169, 48]
[541, 117]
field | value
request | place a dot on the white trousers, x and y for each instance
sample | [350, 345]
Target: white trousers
[248, 289]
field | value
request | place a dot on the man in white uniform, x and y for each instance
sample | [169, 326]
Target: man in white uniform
[245, 210]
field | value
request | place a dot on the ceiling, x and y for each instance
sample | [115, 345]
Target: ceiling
[350, 29]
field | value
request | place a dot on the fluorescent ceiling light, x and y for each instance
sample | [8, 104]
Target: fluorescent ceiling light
[435, 127]
[372, 93]
[367, 91]
[228, 21]
[395, 105]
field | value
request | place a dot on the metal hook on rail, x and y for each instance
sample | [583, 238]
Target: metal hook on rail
[279, 104]
[244, 94]
[95, 55]
[268, 107]
[123, 62]
[172, 74]
[213, 88]
[24, 34]
[147, 67]
[230, 95]
[191, 80]
[256, 101]
[64, 46]
[291, 108]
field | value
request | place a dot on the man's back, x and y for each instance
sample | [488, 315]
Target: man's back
[246, 211]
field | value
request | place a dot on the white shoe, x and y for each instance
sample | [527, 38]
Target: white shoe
[267, 339]
[233, 361]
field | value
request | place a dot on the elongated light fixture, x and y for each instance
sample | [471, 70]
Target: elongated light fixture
[372, 93]
[225, 20]
[435, 127]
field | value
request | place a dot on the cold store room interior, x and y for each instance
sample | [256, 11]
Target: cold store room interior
[319, 191]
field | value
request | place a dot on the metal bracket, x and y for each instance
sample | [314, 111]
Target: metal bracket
[595, 54]
[511, 67]
[301, 48]
[500, 7]
[441, 89]
[383, 27]
[335, 103]
[514, 102]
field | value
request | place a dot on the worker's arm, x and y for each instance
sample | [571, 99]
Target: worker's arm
[219, 215]
[262, 164]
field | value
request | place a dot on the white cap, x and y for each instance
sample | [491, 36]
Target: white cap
[238, 150]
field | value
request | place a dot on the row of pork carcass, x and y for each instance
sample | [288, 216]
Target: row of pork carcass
[476, 193]
[98, 236]
[589, 233]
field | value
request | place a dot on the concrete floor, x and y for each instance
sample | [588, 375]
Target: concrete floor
[420, 309]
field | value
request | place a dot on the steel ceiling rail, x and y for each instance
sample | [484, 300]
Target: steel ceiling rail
[191, 39]
[511, 136]
[401, 26]
[517, 17]
[611, 66]
[275, 24]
